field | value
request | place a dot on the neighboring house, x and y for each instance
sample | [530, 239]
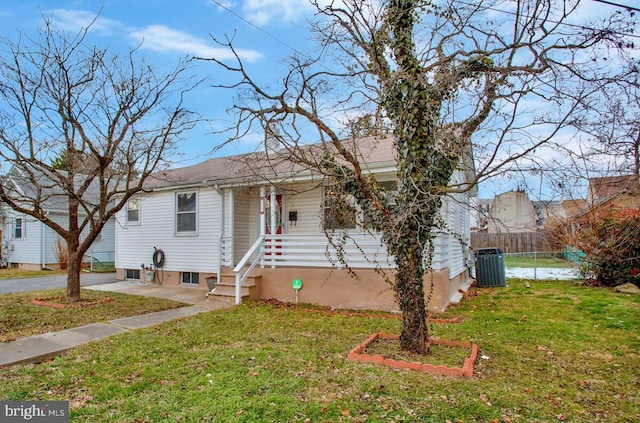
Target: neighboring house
[547, 211]
[621, 191]
[209, 223]
[574, 206]
[29, 244]
[512, 212]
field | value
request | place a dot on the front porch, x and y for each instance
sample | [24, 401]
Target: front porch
[267, 270]
[284, 250]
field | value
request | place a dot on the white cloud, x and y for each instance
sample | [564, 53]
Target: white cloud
[77, 20]
[163, 38]
[260, 12]
[159, 38]
[224, 4]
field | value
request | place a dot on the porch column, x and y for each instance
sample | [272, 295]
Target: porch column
[221, 241]
[273, 203]
[263, 211]
[231, 225]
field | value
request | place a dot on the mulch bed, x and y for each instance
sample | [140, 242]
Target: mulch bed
[60, 302]
[348, 313]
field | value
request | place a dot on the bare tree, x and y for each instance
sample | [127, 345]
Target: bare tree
[611, 122]
[492, 79]
[82, 129]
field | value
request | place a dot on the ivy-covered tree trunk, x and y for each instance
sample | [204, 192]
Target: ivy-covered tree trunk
[409, 292]
[425, 167]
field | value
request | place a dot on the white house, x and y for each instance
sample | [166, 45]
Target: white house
[29, 244]
[253, 223]
[512, 211]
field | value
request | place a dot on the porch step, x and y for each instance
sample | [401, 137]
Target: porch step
[225, 289]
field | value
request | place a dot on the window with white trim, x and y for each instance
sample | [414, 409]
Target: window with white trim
[186, 212]
[18, 228]
[133, 211]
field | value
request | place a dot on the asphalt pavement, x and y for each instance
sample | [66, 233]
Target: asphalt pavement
[52, 282]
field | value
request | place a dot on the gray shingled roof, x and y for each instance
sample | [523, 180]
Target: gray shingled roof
[252, 167]
[19, 184]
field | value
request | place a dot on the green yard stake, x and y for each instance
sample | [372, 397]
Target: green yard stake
[296, 284]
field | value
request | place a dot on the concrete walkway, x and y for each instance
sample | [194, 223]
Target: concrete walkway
[38, 348]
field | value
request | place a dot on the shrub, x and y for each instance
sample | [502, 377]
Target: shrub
[609, 237]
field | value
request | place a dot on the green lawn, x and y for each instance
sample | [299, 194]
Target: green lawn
[19, 273]
[530, 262]
[19, 317]
[553, 352]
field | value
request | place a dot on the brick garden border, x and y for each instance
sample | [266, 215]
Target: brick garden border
[465, 371]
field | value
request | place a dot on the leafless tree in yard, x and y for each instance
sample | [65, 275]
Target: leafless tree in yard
[496, 79]
[82, 129]
[610, 122]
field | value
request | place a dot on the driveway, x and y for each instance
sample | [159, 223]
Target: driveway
[52, 282]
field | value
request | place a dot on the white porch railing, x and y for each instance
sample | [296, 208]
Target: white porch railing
[225, 252]
[357, 250]
[276, 250]
[238, 270]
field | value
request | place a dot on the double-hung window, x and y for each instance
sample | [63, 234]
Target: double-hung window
[186, 212]
[133, 211]
[18, 228]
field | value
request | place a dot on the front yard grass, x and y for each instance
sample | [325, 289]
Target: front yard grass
[19, 317]
[553, 352]
[21, 273]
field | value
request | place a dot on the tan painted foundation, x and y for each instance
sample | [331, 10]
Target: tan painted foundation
[333, 287]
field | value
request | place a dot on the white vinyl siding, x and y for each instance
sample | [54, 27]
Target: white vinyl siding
[308, 205]
[456, 237]
[103, 248]
[26, 249]
[243, 220]
[40, 244]
[135, 244]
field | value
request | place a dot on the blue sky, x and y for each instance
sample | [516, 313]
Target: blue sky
[168, 30]
[265, 31]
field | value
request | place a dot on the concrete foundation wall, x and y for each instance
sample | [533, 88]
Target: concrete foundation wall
[168, 278]
[337, 288]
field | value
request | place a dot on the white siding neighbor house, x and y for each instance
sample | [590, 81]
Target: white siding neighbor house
[29, 244]
[228, 226]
